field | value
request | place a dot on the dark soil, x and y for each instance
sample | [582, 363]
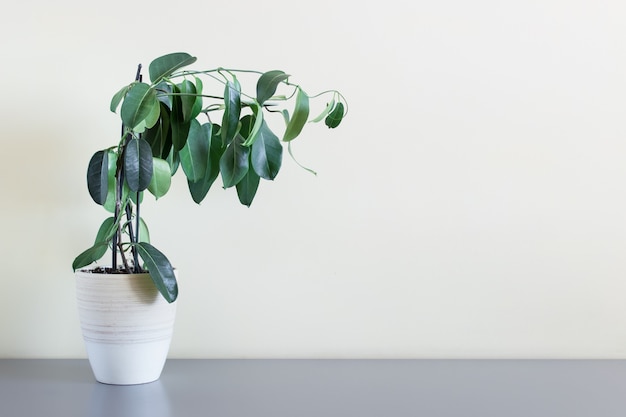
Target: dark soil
[108, 270]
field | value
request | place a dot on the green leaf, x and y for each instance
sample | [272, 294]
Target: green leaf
[325, 112]
[267, 84]
[98, 177]
[195, 154]
[109, 204]
[140, 109]
[247, 187]
[117, 98]
[89, 256]
[164, 93]
[138, 164]
[299, 117]
[174, 160]
[232, 110]
[161, 178]
[298, 163]
[160, 270]
[165, 65]
[159, 135]
[188, 100]
[105, 232]
[179, 127]
[266, 154]
[234, 163]
[144, 233]
[200, 188]
[197, 105]
[335, 117]
[257, 116]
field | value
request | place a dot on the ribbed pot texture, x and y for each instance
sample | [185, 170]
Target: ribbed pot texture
[126, 324]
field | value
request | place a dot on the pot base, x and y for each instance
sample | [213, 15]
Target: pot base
[127, 364]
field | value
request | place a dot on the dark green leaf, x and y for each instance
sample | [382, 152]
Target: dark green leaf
[138, 164]
[160, 270]
[188, 100]
[232, 110]
[98, 177]
[299, 117]
[234, 163]
[179, 127]
[159, 136]
[140, 109]
[165, 65]
[195, 154]
[89, 256]
[335, 116]
[174, 160]
[267, 153]
[247, 187]
[200, 188]
[267, 84]
[164, 90]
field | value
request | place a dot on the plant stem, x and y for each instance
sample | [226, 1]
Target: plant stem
[136, 240]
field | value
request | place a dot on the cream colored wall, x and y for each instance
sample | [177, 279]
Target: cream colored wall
[473, 204]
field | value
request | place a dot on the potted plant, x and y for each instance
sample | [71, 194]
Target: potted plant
[173, 123]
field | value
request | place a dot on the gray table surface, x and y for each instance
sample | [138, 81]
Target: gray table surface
[302, 388]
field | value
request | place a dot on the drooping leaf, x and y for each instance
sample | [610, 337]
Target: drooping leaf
[247, 187]
[195, 154]
[197, 105]
[109, 204]
[335, 117]
[161, 178]
[164, 90]
[138, 164]
[234, 163]
[266, 154]
[136, 197]
[98, 177]
[174, 160]
[105, 234]
[144, 233]
[179, 127]
[140, 109]
[89, 256]
[106, 231]
[324, 113]
[299, 117]
[200, 188]
[298, 163]
[232, 110]
[267, 84]
[254, 128]
[159, 135]
[117, 98]
[165, 65]
[188, 100]
[160, 270]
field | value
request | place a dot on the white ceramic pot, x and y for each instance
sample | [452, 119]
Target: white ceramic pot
[127, 326]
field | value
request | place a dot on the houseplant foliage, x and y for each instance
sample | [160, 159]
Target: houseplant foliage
[171, 124]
